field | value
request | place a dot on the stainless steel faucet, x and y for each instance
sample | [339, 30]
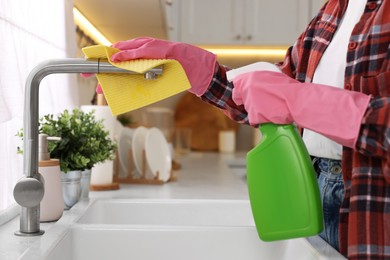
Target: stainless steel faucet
[28, 192]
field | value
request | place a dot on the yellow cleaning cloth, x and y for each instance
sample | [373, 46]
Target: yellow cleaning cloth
[126, 92]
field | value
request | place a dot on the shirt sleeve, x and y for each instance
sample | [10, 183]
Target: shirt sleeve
[374, 136]
[219, 94]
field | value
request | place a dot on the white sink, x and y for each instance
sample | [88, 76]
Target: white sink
[168, 229]
[169, 212]
[190, 243]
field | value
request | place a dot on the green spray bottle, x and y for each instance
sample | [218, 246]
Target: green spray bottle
[282, 185]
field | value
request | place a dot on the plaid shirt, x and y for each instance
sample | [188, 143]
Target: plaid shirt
[365, 212]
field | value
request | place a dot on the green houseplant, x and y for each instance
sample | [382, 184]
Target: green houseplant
[84, 142]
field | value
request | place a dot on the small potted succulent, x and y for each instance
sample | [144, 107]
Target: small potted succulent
[84, 143]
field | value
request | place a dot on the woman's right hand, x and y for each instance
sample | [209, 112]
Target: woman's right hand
[197, 63]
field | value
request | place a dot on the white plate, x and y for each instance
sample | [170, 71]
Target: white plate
[138, 146]
[158, 156]
[124, 146]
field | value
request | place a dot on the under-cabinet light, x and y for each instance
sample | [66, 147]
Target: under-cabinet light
[89, 28]
[261, 51]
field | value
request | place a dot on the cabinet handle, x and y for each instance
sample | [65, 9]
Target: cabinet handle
[249, 37]
[168, 2]
[238, 37]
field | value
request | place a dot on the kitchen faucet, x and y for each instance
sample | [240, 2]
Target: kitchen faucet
[29, 190]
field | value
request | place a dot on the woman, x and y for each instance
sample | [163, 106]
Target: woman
[335, 84]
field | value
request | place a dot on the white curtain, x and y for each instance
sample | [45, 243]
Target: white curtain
[30, 32]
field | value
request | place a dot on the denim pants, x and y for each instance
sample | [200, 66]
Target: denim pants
[331, 187]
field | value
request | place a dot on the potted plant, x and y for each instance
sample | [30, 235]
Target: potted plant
[84, 143]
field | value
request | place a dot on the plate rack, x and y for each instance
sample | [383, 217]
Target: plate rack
[142, 179]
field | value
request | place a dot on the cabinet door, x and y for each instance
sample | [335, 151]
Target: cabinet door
[211, 21]
[172, 19]
[277, 22]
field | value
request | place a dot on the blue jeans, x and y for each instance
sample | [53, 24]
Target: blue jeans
[331, 186]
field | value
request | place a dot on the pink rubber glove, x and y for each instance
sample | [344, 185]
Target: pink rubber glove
[198, 64]
[99, 89]
[274, 97]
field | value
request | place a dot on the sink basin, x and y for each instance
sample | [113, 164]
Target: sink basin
[167, 229]
[169, 212]
[190, 243]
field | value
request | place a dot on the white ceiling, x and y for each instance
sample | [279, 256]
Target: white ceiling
[120, 20]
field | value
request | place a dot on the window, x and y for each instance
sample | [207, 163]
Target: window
[30, 32]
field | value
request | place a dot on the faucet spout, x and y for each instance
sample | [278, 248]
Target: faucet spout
[28, 192]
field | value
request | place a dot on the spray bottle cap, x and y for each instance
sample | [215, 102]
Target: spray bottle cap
[43, 149]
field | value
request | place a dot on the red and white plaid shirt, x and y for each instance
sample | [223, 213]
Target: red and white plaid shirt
[365, 212]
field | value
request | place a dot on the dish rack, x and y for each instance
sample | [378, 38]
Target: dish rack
[142, 179]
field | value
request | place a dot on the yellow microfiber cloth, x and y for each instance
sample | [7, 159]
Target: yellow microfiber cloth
[126, 92]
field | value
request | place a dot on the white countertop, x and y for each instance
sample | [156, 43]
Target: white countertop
[202, 176]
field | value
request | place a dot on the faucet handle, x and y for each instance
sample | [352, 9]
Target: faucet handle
[28, 192]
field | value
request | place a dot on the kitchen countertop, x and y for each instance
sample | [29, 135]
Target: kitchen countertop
[202, 176]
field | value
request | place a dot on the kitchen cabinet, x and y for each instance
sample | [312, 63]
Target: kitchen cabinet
[275, 22]
[237, 22]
